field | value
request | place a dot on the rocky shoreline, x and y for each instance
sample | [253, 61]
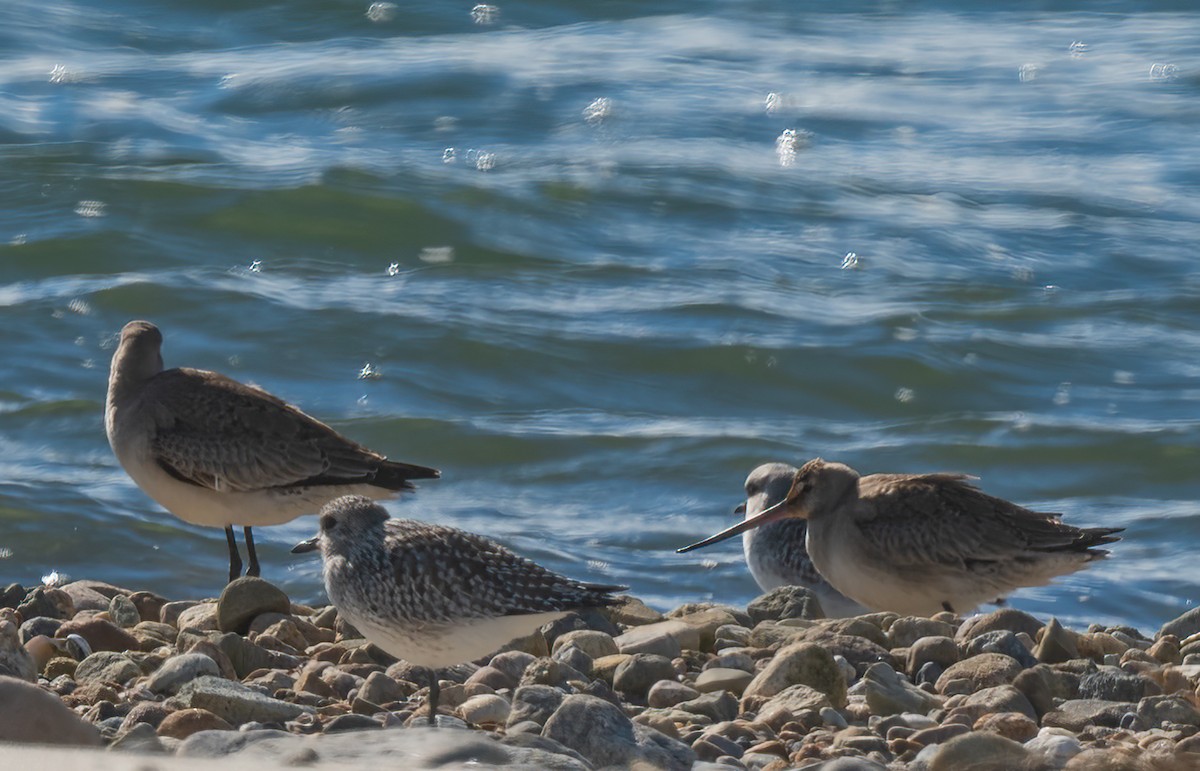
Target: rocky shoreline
[767, 687]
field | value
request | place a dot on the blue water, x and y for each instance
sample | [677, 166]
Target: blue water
[597, 279]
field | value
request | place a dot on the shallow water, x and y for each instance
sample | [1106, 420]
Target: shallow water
[597, 281]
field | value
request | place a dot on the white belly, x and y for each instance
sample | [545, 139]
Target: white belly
[442, 645]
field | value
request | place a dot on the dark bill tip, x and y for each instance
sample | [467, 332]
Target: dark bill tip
[312, 544]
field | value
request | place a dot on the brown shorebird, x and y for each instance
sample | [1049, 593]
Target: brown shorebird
[775, 552]
[215, 452]
[920, 543]
[435, 595]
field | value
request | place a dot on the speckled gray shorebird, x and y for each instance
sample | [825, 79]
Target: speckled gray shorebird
[215, 452]
[775, 552]
[435, 595]
[920, 543]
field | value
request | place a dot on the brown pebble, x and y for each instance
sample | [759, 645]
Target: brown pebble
[59, 666]
[100, 634]
[1010, 725]
[185, 722]
[940, 734]
[151, 712]
[772, 747]
[310, 681]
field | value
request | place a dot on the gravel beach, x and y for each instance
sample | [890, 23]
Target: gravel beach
[254, 678]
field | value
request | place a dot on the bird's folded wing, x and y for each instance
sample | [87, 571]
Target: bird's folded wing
[463, 575]
[217, 433]
[942, 519]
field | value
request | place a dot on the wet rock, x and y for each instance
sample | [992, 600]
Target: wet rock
[247, 597]
[30, 715]
[101, 634]
[1057, 644]
[888, 693]
[785, 602]
[52, 603]
[802, 663]
[181, 669]
[107, 666]
[979, 752]
[668, 693]
[603, 735]
[723, 679]
[235, 702]
[982, 671]
[907, 630]
[534, 703]
[1003, 619]
[1076, 714]
[15, 660]
[485, 709]
[636, 674]
[185, 722]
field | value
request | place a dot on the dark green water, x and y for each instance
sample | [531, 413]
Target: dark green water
[597, 317]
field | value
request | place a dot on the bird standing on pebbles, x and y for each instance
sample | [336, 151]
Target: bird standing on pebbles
[215, 452]
[917, 544]
[775, 553]
[435, 595]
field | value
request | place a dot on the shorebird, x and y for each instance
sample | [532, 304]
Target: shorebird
[920, 543]
[215, 452]
[775, 552]
[435, 595]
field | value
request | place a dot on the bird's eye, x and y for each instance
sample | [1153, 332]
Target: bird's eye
[328, 522]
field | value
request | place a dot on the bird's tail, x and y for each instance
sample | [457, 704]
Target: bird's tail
[600, 595]
[395, 475]
[1091, 537]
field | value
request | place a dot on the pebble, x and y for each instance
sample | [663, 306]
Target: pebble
[245, 598]
[800, 664]
[101, 634]
[723, 679]
[668, 693]
[183, 723]
[771, 687]
[30, 714]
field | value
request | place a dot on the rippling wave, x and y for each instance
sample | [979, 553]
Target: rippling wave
[588, 283]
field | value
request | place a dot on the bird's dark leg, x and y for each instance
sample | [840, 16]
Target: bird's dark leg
[235, 559]
[946, 607]
[433, 697]
[253, 570]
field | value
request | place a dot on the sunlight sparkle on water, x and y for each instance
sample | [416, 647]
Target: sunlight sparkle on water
[393, 269]
[905, 395]
[90, 209]
[850, 261]
[369, 372]
[484, 14]
[598, 110]
[255, 267]
[380, 12]
[1160, 71]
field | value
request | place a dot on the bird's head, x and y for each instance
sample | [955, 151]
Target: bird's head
[344, 522]
[776, 491]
